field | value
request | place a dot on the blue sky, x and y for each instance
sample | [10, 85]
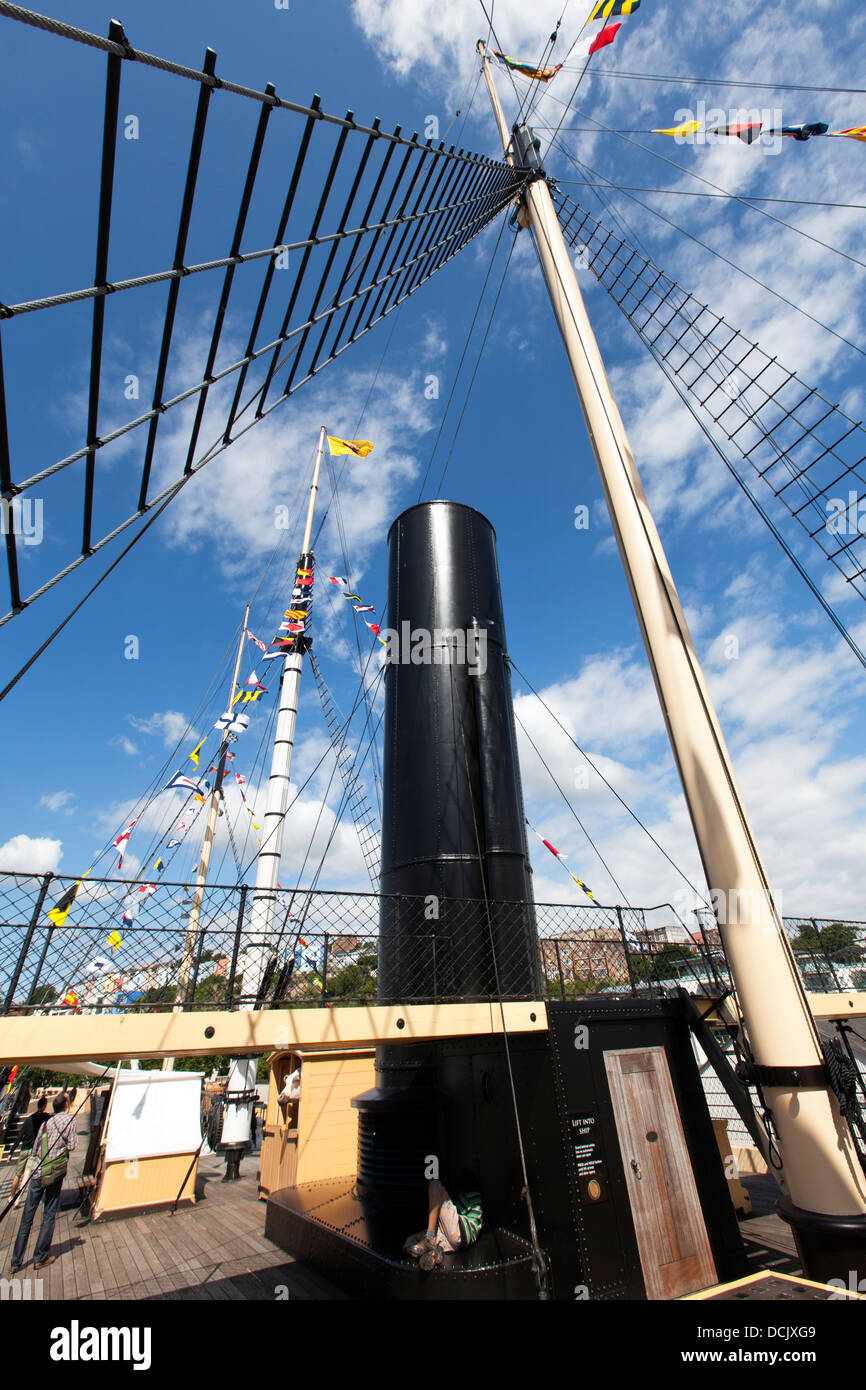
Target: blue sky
[88, 731]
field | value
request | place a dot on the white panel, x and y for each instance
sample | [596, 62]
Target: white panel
[155, 1114]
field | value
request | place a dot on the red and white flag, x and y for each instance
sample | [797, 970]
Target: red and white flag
[122, 841]
[600, 40]
[261, 645]
[253, 680]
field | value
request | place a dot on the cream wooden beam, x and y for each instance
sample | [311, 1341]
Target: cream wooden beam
[851, 1004]
[96, 1037]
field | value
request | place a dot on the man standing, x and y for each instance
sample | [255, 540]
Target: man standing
[51, 1151]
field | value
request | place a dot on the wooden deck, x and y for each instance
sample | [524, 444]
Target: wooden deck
[215, 1249]
[769, 1240]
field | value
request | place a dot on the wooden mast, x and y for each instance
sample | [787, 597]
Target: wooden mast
[821, 1166]
[192, 933]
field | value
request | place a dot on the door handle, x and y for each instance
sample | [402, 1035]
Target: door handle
[635, 1167]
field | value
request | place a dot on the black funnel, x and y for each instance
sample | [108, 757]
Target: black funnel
[456, 920]
[453, 832]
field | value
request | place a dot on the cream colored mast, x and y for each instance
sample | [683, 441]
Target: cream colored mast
[268, 862]
[821, 1166]
[186, 962]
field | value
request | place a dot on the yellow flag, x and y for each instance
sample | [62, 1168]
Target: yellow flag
[687, 128]
[114, 940]
[60, 910]
[359, 447]
[194, 754]
[857, 132]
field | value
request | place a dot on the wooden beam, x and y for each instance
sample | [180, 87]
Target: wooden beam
[32, 1040]
[850, 1004]
[37, 1040]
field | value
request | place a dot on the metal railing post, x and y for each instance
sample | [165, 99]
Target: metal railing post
[13, 985]
[44, 951]
[559, 968]
[618, 911]
[233, 968]
[826, 953]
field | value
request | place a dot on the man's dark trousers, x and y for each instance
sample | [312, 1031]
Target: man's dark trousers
[35, 1194]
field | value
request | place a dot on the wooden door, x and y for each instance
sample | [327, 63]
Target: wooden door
[672, 1239]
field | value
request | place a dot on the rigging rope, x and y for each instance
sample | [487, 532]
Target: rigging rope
[728, 82]
[539, 1267]
[783, 299]
[593, 846]
[463, 357]
[610, 787]
[481, 348]
[736, 197]
[426, 205]
[763, 410]
[696, 192]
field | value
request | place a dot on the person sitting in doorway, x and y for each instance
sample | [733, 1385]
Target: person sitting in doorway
[292, 1088]
[451, 1225]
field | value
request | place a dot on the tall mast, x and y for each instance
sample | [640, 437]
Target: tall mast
[268, 862]
[822, 1171]
[189, 949]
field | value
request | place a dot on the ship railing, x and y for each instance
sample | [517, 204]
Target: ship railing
[119, 951]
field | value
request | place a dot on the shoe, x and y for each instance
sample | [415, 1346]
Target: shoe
[49, 1260]
[15, 1269]
[418, 1247]
[431, 1259]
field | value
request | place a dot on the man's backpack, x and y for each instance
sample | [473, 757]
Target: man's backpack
[51, 1169]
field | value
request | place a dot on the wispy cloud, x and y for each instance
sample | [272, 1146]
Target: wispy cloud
[58, 801]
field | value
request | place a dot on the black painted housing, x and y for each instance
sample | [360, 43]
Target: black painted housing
[453, 833]
[453, 823]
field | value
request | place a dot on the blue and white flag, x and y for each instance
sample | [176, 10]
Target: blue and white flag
[234, 723]
[178, 780]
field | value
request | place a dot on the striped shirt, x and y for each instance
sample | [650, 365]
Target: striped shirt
[61, 1133]
[469, 1215]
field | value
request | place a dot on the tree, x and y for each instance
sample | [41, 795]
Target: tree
[164, 994]
[661, 965]
[42, 994]
[355, 981]
[830, 939]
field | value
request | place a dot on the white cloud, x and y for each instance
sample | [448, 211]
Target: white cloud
[26, 854]
[785, 709]
[58, 801]
[125, 744]
[170, 725]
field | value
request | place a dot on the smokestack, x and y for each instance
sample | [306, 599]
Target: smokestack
[453, 832]
[452, 822]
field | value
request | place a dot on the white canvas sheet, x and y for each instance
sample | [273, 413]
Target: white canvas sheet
[154, 1114]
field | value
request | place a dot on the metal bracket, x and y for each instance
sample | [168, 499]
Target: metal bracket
[814, 1075]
